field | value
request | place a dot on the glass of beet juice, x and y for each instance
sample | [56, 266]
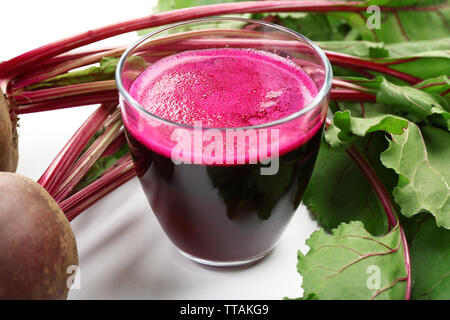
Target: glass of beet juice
[224, 118]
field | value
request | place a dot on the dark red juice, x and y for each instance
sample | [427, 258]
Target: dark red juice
[225, 211]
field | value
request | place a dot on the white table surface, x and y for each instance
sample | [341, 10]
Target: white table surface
[123, 252]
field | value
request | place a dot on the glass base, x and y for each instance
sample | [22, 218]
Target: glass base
[211, 264]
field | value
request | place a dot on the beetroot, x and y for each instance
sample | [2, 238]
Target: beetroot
[8, 138]
[37, 243]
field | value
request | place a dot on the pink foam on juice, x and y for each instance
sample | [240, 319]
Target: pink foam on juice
[226, 88]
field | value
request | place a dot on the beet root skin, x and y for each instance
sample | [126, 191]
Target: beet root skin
[8, 138]
[37, 244]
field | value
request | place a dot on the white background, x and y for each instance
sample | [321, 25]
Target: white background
[123, 252]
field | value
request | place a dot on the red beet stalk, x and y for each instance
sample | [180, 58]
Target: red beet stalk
[388, 206]
[53, 176]
[21, 63]
[110, 181]
[99, 136]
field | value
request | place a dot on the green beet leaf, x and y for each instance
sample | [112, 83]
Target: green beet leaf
[407, 25]
[430, 258]
[414, 101]
[398, 26]
[405, 49]
[420, 157]
[363, 49]
[100, 167]
[427, 101]
[395, 51]
[439, 85]
[350, 263]
[168, 5]
[339, 192]
[423, 59]
[315, 26]
[105, 71]
[355, 121]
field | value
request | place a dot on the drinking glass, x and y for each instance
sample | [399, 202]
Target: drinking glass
[229, 213]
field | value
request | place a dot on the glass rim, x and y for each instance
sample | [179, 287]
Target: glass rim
[315, 103]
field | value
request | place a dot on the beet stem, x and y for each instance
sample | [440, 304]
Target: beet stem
[351, 95]
[63, 67]
[30, 97]
[360, 64]
[347, 60]
[52, 177]
[101, 97]
[82, 165]
[388, 207]
[9, 69]
[83, 199]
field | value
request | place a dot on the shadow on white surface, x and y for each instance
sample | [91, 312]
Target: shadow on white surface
[124, 254]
